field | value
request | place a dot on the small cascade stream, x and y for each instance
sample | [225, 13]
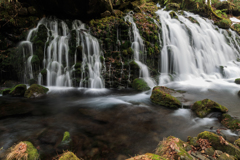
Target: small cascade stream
[59, 64]
[139, 51]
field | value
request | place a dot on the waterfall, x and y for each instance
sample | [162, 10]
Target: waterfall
[139, 50]
[58, 62]
[196, 50]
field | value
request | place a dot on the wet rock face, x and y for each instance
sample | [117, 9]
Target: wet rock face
[73, 8]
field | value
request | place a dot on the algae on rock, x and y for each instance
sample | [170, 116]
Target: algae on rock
[18, 90]
[35, 91]
[140, 85]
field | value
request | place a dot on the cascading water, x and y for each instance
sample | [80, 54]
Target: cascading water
[57, 61]
[139, 49]
[196, 50]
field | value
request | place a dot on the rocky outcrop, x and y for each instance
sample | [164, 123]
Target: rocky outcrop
[230, 122]
[140, 85]
[161, 96]
[206, 106]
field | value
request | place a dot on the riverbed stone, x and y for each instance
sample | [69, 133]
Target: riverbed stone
[6, 91]
[226, 156]
[140, 85]
[219, 143]
[209, 151]
[175, 146]
[18, 90]
[147, 156]
[68, 156]
[230, 122]
[206, 106]
[225, 23]
[237, 142]
[35, 91]
[31, 152]
[237, 81]
[160, 95]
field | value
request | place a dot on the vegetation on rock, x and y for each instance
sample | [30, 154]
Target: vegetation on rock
[35, 90]
[140, 85]
[18, 90]
[68, 156]
[206, 106]
[230, 122]
[160, 95]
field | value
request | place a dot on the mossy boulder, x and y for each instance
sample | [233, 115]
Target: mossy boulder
[35, 60]
[24, 149]
[236, 11]
[35, 91]
[226, 156]
[223, 5]
[68, 156]
[161, 96]
[219, 143]
[105, 14]
[66, 142]
[230, 122]
[172, 6]
[140, 85]
[237, 81]
[206, 106]
[225, 23]
[149, 156]
[174, 145]
[5, 91]
[18, 90]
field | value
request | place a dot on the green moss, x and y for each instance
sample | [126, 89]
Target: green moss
[217, 145]
[68, 156]
[140, 85]
[230, 122]
[5, 91]
[18, 90]
[32, 151]
[35, 59]
[237, 142]
[204, 107]
[237, 81]
[130, 51]
[225, 23]
[126, 45]
[161, 97]
[172, 6]
[35, 89]
[66, 137]
[193, 141]
[32, 81]
[44, 72]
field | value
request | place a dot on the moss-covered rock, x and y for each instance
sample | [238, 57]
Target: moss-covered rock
[172, 6]
[66, 137]
[18, 90]
[236, 11]
[209, 151]
[140, 85]
[237, 142]
[35, 91]
[230, 122]
[68, 156]
[6, 91]
[160, 95]
[237, 81]
[219, 143]
[226, 156]
[174, 145]
[206, 106]
[193, 141]
[225, 23]
[35, 60]
[149, 156]
[25, 150]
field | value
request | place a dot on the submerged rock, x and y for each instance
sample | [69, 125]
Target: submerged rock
[219, 143]
[230, 122]
[68, 156]
[161, 96]
[140, 85]
[35, 91]
[206, 106]
[23, 150]
[175, 146]
[18, 90]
